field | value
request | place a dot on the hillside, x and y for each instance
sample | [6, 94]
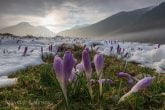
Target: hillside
[24, 28]
[132, 23]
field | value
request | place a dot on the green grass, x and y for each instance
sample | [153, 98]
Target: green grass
[38, 88]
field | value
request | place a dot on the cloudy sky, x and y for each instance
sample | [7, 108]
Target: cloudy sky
[58, 15]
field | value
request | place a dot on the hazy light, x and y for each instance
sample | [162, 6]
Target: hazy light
[48, 20]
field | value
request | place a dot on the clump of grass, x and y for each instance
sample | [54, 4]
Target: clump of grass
[38, 88]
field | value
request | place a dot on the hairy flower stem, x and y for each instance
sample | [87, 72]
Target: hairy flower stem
[64, 91]
[100, 85]
[125, 66]
[90, 89]
[101, 88]
[124, 96]
[119, 88]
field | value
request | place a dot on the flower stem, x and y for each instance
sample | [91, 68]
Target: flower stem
[101, 88]
[64, 91]
[90, 89]
[100, 85]
[119, 88]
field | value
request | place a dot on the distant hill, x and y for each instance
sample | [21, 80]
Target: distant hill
[24, 28]
[79, 26]
[124, 23]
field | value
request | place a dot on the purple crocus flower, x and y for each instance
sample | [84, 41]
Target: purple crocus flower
[18, 41]
[99, 63]
[109, 81]
[126, 55]
[68, 64]
[50, 48]
[87, 63]
[118, 49]
[80, 67]
[140, 85]
[127, 76]
[25, 51]
[111, 48]
[63, 69]
[19, 47]
[101, 82]
[87, 68]
[58, 67]
[42, 50]
[73, 75]
[87, 49]
[75, 60]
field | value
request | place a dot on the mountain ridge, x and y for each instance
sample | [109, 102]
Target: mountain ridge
[25, 28]
[124, 22]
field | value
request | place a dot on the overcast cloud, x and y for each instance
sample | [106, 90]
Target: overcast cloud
[59, 15]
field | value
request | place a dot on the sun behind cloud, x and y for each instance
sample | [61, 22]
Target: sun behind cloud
[49, 20]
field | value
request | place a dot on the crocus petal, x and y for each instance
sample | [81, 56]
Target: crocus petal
[75, 60]
[87, 63]
[127, 76]
[80, 67]
[141, 84]
[87, 49]
[73, 75]
[58, 67]
[99, 63]
[68, 63]
[109, 81]
[101, 81]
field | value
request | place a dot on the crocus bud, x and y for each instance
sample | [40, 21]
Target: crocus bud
[118, 49]
[140, 85]
[75, 60]
[42, 50]
[68, 64]
[111, 48]
[109, 81]
[25, 51]
[80, 67]
[58, 67]
[73, 75]
[127, 76]
[87, 63]
[99, 63]
[19, 47]
[87, 49]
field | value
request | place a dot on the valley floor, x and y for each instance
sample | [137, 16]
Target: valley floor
[37, 86]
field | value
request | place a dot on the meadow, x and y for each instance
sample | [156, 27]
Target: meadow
[39, 88]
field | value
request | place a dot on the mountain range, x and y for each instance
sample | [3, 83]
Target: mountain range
[25, 28]
[146, 24]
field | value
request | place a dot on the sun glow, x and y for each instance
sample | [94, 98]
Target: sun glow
[49, 20]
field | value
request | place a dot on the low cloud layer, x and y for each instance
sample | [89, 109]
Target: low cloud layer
[58, 15]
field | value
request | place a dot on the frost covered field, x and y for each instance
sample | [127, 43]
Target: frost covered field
[12, 49]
